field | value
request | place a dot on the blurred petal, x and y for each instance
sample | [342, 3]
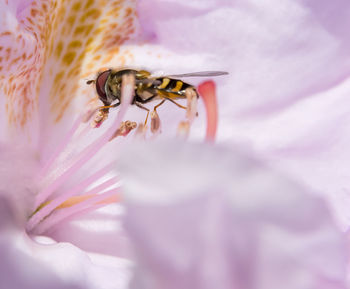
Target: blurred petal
[310, 141]
[207, 217]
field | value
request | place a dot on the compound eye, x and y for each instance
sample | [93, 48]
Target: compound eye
[100, 84]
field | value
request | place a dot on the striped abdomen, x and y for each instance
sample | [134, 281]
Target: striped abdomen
[171, 88]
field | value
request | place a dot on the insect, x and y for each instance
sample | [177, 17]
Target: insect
[147, 87]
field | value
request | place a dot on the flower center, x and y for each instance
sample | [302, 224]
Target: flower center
[58, 199]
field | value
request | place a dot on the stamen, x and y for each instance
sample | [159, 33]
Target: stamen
[125, 128]
[46, 209]
[45, 212]
[91, 110]
[155, 122]
[127, 95]
[207, 92]
[183, 129]
[191, 111]
[83, 206]
[100, 117]
[61, 147]
[78, 199]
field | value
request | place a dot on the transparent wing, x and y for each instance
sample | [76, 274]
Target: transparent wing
[191, 74]
[199, 74]
[149, 80]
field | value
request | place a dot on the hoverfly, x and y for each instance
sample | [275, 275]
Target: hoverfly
[147, 88]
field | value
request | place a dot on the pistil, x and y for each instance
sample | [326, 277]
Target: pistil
[207, 92]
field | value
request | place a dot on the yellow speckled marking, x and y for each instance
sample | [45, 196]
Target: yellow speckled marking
[79, 30]
[68, 40]
[74, 44]
[68, 58]
[58, 49]
[76, 6]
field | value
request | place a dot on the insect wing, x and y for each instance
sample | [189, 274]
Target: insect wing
[148, 80]
[200, 74]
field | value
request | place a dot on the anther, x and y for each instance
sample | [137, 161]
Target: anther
[100, 117]
[191, 110]
[155, 122]
[125, 128]
[183, 129]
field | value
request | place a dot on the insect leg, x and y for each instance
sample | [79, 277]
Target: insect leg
[158, 105]
[109, 106]
[174, 102]
[141, 106]
[145, 108]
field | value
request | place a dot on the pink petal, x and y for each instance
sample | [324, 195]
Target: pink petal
[43, 263]
[97, 232]
[288, 89]
[58, 265]
[206, 217]
[47, 49]
[271, 66]
[18, 165]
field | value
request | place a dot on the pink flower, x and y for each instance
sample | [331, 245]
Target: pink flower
[193, 215]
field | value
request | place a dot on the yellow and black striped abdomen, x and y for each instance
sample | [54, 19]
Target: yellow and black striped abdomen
[172, 88]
